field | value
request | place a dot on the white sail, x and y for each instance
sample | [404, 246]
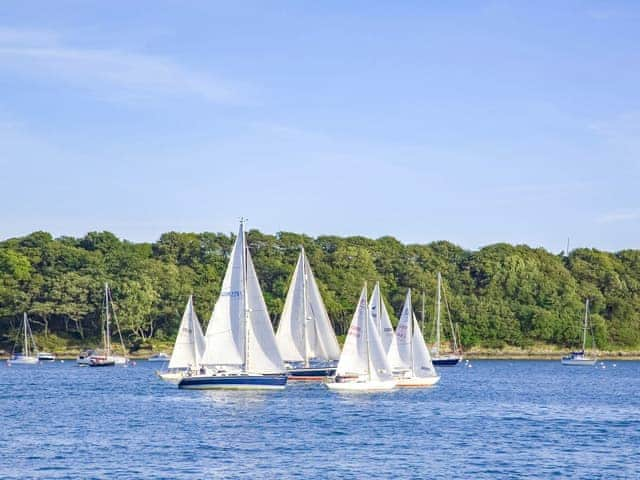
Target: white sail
[262, 355]
[290, 334]
[381, 318]
[305, 331]
[422, 365]
[190, 342]
[400, 355]
[225, 332]
[363, 353]
[327, 347]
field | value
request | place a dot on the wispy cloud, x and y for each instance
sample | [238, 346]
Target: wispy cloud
[544, 188]
[619, 216]
[110, 73]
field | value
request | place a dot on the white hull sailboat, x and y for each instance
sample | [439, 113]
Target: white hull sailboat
[240, 350]
[188, 348]
[438, 359]
[305, 337]
[409, 357]
[29, 354]
[580, 358]
[363, 365]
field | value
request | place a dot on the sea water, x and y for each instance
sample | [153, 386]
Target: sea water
[484, 420]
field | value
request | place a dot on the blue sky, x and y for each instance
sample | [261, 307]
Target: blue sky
[475, 122]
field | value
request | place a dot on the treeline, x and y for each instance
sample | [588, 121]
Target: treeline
[499, 295]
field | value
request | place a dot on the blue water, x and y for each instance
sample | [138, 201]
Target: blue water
[498, 419]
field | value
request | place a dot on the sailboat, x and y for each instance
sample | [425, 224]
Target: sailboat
[439, 359]
[363, 364]
[188, 348]
[381, 318]
[305, 333]
[29, 354]
[410, 359]
[580, 358]
[240, 350]
[107, 358]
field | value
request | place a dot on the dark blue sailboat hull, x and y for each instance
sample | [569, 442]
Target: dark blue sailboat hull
[445, 362]
[234, 382]
[311, 373]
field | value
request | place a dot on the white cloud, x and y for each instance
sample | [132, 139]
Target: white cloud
[109, 73]
[619, 216]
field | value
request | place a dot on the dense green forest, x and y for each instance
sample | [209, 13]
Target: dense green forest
[499, 295]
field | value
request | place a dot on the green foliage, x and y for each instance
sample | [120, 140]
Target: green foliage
[500, 295]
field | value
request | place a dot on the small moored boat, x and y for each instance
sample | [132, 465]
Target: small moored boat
[46, 357]
[159, 357]
[580, 358]
[29, 354]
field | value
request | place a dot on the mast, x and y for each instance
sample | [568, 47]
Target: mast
[366, 331]
[439, 297]
[305, 335]
[247, 318]
[192, 328]
[422, 319]
[107, 336]
[410, 333]
[26, 343]
[586, 319]
[379, 309]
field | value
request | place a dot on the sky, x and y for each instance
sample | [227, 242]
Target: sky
[473, 122]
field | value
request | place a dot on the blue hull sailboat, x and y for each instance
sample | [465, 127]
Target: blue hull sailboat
[448, 360]
[305, 337]
[240, 350]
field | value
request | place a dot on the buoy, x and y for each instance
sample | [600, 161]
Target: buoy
[61, 361]
[614, 365]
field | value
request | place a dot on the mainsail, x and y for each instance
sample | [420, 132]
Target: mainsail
[305, 331]
[190, 342]
[411, 353]
[363, 353]
[381, 319]
[240, 332]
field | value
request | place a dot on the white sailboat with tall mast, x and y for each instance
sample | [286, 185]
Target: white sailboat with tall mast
[580, 358]
[363, 364]
[438, 358]
[107, 358]
[381, 319]
[410, 359]
[29, 354]
[188, 348]
[305, 337]
[240, 350]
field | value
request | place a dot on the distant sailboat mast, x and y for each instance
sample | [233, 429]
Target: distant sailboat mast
[410, 334]
[439, 299]
[366, 331]
[584, 329]
[107, 332]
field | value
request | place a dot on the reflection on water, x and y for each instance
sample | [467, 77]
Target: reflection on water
[499, 419]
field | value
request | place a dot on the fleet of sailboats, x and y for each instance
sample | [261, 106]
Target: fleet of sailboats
[241, 350]
[363, 364]
[580, 358]
[188, 348]
[305, 337]
[439, 358]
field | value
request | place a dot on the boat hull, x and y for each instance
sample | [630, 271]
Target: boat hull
[446, 361]
[417, 382]
[233, 382]
[310, 373]
[573, 362]
[23, 361]
[357, 386]
[172, 377]
[46, 357]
